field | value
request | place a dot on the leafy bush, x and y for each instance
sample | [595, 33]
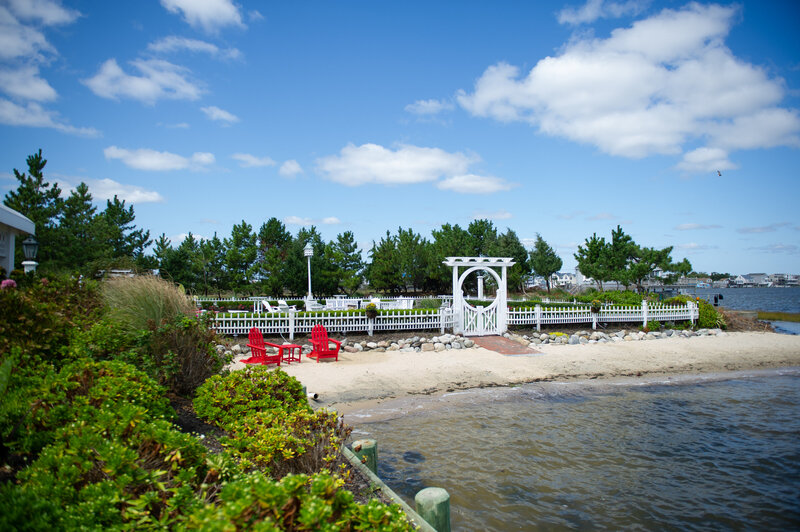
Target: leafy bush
[180, 354]
[652, 326]
[709, 317]
[79, 393]
[430, 304]
[616, 297]
[145, 302]
[280, 442]
[39, 315]
[297, 502]
[224, 400]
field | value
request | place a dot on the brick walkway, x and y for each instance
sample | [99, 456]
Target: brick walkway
[503, 345]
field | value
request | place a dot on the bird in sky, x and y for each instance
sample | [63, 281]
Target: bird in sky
[719, 173]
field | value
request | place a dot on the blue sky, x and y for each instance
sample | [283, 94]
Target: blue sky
[562, 118]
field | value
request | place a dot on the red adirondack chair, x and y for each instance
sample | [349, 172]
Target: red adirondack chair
[258, 351]
[320, 344]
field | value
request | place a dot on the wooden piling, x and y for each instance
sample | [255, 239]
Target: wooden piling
[433, 505]
[367, 452]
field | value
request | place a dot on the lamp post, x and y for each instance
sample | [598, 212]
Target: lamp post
[308, 251]
[30, 248]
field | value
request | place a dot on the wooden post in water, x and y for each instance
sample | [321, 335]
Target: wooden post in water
[433, 505]
[367, 452]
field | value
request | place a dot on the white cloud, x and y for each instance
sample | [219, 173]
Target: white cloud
[25, 83]
[219, 115]
[105, 189]
[372, 163]
[152, 160]
[290, 168]
[790, 249]
[173, 43]
[34, 115]
[706, 160]
[428, 107]
[473, 184]
[596, 9]
[602, 216]
[210, 15]
[158, 80]
[502, 214]
[696, 227]
[248, 161]
[647, 89]
[694, 246]
[255, 15]
[763, 229]
[298, 220]
[47, 12]
[18, 40]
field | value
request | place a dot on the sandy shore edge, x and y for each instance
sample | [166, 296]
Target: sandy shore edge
[360, 380]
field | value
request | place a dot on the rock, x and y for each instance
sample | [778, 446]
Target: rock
[372, 345]
[544, 336]
[574, 339]
[628, 338]
[457, 345]
[427, 347]
[468, 343]
[379, 349]
[583, 340]
[439, 346]
[358, 347]
[350, 349]
[236, 349]
[220, 349]
[616, 338]
[383, 343]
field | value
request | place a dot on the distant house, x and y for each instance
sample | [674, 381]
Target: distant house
[758, 279]
[12, 224]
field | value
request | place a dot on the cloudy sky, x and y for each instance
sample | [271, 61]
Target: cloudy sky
[678, 121]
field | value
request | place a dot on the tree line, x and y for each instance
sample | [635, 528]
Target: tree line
[75, 236]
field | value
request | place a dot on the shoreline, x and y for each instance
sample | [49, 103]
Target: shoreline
[360, 381]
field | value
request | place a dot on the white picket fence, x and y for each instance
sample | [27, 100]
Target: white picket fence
[644, 313]
[291, 323]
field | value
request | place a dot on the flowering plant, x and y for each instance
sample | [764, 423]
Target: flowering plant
[595, 306]
[371, 310]
[8, 283]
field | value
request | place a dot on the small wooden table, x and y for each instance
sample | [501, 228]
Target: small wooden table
[287, 351]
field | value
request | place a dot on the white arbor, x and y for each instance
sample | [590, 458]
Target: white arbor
[480, 321]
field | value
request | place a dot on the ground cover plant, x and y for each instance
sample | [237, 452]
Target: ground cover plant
[87, 439]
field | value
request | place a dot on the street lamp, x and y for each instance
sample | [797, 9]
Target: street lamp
[30, 248]
[308, 251]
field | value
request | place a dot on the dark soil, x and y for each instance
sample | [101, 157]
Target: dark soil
[187, 421]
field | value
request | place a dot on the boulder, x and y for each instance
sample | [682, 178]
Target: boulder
[439, 346]
[427, 347]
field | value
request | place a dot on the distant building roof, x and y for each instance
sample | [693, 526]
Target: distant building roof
[16, 221]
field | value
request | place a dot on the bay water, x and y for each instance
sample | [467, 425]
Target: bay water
[713, 452]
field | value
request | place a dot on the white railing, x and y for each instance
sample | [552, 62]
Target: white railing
[645, 312]
[291, 323]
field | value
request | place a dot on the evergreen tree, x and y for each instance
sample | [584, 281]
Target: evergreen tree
[79, 241]
[509, 245]
[544, 260]
[121, 234]
[384, 274]
[274, 245]
[592, 260]
[348, 262]
[240, 256]
[448, 241]
[41, 202]
[412, 258]
[211, 256]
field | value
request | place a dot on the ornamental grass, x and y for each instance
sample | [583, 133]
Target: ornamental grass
[145, 302]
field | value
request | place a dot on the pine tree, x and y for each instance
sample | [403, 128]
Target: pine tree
[41, 202]
[544, 260]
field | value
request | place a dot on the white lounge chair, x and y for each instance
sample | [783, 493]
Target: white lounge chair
[283, 306]
[268, 307]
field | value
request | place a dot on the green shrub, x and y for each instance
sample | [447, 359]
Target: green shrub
[224, 400]
[39, 315]
[709, 317]
[145, 302]
[652, 326]
[297, 502]
[120, 470]
[79, 393]
[281, 443]
[430, 304]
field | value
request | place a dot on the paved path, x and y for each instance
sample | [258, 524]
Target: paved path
[503, 345]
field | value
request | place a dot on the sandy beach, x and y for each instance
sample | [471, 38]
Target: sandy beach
[358, 380]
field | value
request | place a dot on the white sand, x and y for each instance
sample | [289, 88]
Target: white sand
[358, 379]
